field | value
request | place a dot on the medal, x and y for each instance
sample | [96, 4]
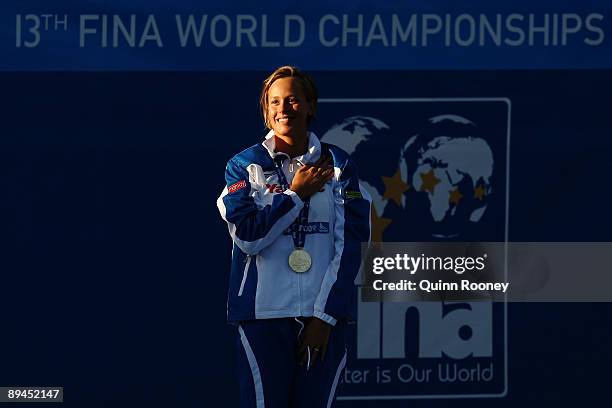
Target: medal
[299, 260]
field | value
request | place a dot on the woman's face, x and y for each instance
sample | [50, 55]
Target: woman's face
[288, 109]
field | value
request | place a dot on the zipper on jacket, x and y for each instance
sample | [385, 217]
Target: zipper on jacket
[244, 274]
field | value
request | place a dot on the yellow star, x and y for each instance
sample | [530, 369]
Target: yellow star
[479, 192]
[429, 181]
[454, 196]
[379, 225]
[395, 187]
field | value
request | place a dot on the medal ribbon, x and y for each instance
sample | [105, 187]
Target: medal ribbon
[297, 230]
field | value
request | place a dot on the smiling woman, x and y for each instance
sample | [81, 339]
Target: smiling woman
[288, 106]
[288, 109]
[297, 217]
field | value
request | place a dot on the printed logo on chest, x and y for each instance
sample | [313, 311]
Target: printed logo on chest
[274, 188]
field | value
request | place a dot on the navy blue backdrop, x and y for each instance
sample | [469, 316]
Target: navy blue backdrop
[115, 260]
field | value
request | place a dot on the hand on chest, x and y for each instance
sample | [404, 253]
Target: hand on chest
[321, 203]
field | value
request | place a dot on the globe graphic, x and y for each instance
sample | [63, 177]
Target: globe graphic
[432, 182]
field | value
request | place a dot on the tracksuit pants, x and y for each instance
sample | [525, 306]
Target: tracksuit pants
[268, 370]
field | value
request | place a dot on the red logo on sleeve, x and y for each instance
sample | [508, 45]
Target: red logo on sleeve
[237, 186]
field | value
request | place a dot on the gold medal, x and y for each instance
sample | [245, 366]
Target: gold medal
[299, 260]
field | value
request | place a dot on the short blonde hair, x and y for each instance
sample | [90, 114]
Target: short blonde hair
[308, 87]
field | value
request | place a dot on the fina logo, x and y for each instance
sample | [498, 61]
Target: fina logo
[444, 172]
[436, 171]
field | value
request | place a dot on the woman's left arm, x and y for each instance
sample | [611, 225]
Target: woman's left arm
[351, 229]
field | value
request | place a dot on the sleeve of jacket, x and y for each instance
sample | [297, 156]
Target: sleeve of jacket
[254, 227]
[351, 229]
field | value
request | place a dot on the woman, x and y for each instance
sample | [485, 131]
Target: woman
[297, 217]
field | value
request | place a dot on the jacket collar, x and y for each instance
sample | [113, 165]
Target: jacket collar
[312, 153]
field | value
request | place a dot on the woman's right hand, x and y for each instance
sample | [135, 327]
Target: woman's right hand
[311, 178]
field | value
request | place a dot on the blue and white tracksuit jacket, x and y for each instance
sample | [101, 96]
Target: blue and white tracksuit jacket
[259, 212]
